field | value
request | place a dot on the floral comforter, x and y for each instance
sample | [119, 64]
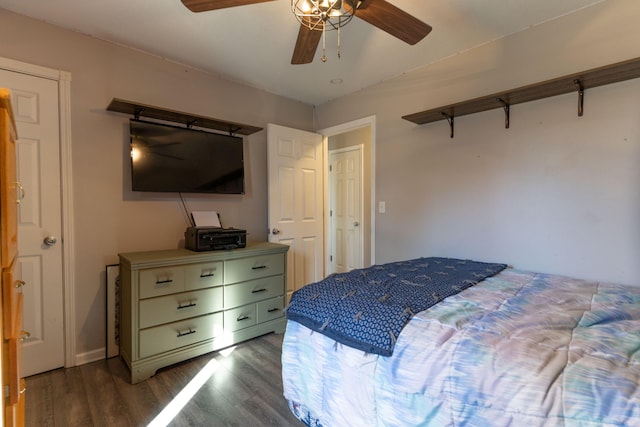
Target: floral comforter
[517, 349]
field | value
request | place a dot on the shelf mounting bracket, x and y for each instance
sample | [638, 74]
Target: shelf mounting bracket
[450, 120]
[507, 111]
[137, 113]
[190, 123]
[580, 88]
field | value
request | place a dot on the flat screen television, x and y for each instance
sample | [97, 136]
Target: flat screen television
[167, 158]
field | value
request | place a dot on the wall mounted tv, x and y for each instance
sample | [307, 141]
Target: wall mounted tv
[167, 158]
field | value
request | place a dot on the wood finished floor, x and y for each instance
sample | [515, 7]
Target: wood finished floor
[245, 390]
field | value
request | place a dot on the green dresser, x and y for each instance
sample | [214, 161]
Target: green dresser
[178, 304]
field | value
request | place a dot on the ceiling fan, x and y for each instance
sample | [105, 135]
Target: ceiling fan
[379, 13]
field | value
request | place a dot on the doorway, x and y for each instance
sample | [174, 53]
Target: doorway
[358, 134]
[344, 234]
[308, 260]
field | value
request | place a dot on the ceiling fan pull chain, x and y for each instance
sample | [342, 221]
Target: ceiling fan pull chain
[338, 42]
[324, 44]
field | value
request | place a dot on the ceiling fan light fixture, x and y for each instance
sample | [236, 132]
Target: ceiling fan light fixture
[324, 15]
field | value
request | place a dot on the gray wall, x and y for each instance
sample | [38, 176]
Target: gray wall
[554, 193]
[108, 217]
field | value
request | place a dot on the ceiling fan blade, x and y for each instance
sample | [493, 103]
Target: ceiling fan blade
[394, 21]
[306, 45]
[205, 5]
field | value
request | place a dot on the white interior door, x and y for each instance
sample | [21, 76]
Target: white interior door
[345, 209]
[296, 201]
[35, 104]
[360, 132]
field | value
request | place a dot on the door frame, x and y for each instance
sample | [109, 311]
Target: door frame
[369, 121]
[63, 78]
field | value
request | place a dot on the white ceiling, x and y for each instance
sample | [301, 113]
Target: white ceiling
[253, 44]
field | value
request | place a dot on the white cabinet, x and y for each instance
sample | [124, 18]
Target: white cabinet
[178, 304]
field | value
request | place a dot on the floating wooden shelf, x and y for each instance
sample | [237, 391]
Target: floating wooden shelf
[141, 110]
[578, 83]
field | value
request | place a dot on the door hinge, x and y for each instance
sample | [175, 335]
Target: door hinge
[330, 168]
[331, 258]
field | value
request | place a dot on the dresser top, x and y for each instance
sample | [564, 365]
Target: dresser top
[185, 256]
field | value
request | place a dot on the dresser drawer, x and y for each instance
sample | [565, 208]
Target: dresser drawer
[253, 291]
[11, 292]
[155, 282]
[12, 347]
[270, 309]
[175, 335]
[200, 276]
[170, 308]
[239, 318]
[11, 384]
[240, 270]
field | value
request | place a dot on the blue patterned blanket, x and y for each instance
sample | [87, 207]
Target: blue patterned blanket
[367, 308]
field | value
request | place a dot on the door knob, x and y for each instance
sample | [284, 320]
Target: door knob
[356, 223]
[275, 231]
[50, 240]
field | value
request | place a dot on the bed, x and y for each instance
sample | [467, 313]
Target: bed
[516, 348]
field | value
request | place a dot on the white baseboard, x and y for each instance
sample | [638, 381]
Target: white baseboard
[91, 356]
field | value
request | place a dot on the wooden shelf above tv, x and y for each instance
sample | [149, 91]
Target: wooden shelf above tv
[138, 110]
[577, 82]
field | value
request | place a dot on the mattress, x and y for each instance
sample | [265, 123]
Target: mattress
[516, 349]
